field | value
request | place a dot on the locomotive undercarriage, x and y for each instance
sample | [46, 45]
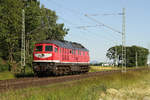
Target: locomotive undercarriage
[45, 68]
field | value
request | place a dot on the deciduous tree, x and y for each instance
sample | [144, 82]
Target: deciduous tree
[40, 24]
[133, 53]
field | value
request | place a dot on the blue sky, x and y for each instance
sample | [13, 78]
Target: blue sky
[98, 39]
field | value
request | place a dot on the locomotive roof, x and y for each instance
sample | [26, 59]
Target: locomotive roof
[66, 44]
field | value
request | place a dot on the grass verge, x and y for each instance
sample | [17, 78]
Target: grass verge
[6, 75]
[85, 89]
[101, 68]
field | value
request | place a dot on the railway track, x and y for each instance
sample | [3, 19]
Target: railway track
[6, 85]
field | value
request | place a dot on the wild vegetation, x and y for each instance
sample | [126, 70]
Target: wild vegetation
[121, 86]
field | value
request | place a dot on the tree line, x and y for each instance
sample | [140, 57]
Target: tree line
[40, 24]
[135, 55]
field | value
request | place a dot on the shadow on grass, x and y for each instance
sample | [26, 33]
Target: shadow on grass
[21, 75]
[27, 75]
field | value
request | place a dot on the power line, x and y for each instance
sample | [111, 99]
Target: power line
[103, 24]
[70, 10]
[113, 14]
[73, 11]
[67, 8]
[94, 26]
[101, 37]
[88, 26]
[84, 28]
[78, 12]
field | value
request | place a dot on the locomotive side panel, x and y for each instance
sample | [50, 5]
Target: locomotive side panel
[56, 54]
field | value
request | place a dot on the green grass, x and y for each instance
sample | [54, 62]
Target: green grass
[85, 89]
[6, 75]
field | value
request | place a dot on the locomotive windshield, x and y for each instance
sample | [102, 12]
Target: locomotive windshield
[48, 48]
[38, 48]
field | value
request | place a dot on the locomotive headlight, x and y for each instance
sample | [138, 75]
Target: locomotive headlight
[42, 55]
[46, 55]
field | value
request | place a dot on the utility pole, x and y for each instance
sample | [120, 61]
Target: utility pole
[23, 43]
[123, 41]
[136, 62]
[116, 57]
[148, 60]
[122, 33]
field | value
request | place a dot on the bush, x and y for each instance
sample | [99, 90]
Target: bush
[4, 67]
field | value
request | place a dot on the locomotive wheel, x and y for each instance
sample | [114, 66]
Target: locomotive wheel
[57, 71]
[61, 70]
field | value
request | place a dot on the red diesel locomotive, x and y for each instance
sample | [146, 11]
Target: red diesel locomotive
[60, 57]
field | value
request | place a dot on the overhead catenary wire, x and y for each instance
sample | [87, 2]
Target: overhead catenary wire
[70, 10]
[74, 12]
[91, 35]
[94, 26]
[84, 28]
[113, 14]
[102, 36]
[102, 24]
[106, 41]
[88, 26]
[78, 12]
[66, 8]
[109, 27]
[95, 35]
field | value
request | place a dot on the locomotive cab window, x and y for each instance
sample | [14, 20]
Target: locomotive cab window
[70, 51]
[83, 53]
[60, 50]
[38, 48]
[56, 49]
[48, 48]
